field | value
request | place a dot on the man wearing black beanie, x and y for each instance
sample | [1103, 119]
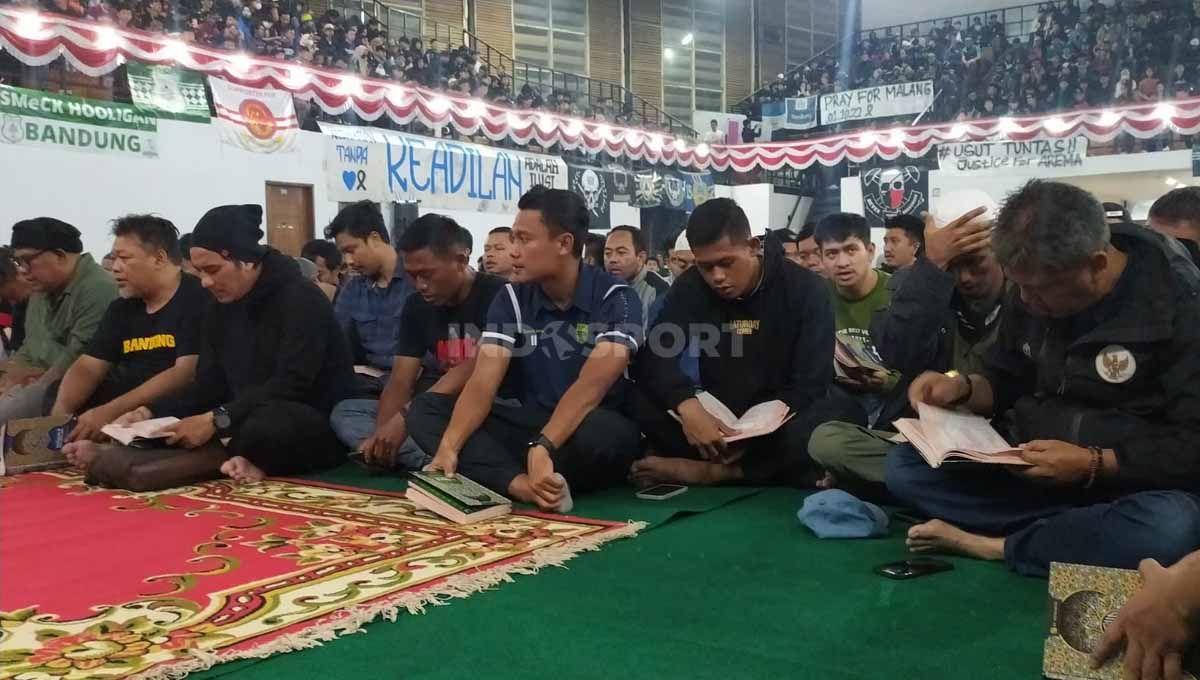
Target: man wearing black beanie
[70, 294]
[272, 364]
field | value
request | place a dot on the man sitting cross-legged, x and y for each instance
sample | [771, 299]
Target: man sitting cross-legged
[146, 346]
[443, 319]
[944, 315]
[1096, 374]
[571, 330]
[273, 362]
[760, 324]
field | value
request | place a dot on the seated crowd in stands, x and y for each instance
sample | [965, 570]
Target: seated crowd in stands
[544, 375]
[1113, 53]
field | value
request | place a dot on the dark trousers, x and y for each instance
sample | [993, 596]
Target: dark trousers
[596, 456]
[280, 437]
[778, 458]
[1042, 525]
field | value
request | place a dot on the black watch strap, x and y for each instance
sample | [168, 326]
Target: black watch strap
[544, 442]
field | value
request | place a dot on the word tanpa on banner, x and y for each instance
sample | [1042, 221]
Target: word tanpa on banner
[36, 118]
[968, 157]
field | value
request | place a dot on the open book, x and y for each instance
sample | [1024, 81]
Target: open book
[944, 436]
[143, 435]
[758, 420]
[854, 356]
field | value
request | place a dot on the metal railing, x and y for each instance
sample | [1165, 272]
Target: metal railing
[586, 91]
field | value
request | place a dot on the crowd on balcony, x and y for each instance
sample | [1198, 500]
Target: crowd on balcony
[1111, 53]
[290, 30]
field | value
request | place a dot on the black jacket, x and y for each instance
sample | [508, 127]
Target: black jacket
[1130, 383]
[280, 342]
[776, 343]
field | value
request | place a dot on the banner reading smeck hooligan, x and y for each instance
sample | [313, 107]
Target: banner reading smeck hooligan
[35, 118]
[382, 165]
[254, 119]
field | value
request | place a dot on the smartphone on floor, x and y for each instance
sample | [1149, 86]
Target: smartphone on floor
[913, 568]
[660, 492]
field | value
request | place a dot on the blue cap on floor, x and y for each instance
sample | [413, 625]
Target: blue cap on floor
[837, 514]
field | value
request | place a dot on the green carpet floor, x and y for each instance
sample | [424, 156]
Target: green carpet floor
[741, 590]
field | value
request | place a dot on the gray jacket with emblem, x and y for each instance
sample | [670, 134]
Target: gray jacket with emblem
[1131, 383]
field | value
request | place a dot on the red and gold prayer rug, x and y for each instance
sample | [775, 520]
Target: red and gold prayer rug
[96, 583]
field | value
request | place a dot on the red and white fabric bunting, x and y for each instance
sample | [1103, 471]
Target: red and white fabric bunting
[95, 49]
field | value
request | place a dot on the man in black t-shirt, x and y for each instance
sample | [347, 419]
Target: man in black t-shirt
[148, 341]
[443, 319]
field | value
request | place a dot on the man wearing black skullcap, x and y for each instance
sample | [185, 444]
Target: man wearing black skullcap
[71, 293]
[273, 362]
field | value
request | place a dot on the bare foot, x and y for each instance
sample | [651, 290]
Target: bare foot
[828, 481]
[241, 470]
[81, 453]
[653, 470]
[938, 536]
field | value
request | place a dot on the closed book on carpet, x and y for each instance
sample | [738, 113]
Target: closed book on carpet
[457, 498]
[944, 436]
[757, 421]
[143, 435]
[1084, 601]
[32, 444]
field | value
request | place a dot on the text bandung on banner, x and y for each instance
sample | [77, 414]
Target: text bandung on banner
[876, 102]
[968, 157]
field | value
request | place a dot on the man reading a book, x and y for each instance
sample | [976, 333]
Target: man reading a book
[570, 330]
[443, 319]
[70, 295]
[944, 315]
[273, 362]
[148, 340]
[1095, 375]
[757, 322]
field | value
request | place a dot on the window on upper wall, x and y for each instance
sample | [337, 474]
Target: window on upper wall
[552, 33]
[403, 18]
[811, 27]
[693, 38]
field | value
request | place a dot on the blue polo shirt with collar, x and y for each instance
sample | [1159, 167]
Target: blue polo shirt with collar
[370, 315]
[550, 345]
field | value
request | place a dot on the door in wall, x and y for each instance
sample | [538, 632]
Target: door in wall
[289, 216]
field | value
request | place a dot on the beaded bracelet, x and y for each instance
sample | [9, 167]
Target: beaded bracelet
[1094, 466]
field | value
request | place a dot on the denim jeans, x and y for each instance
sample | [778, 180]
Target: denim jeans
[353, 420]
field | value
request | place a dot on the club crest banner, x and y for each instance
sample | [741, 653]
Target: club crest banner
[168, 91]
[622, 184]
[676, 190]
[387, 166]
[594, 186]
[258, 120]
[888, 192]
[647, 190]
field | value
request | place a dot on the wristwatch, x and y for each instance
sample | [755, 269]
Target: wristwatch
[970, 388]
[221, 420]
[544, 442]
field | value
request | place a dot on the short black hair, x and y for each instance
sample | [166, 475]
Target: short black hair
[911, 224]
[780, 236]
[156, 232]
[327, 250]
[1049, 225]
[716, 218]
[441, 235]
[639, 241]
[507, 231]
[594, 247]
[185, 247]
[809, 230]
[358, 220]
[8, 265]
[839, 227]
[1178, 205]
[563, 212]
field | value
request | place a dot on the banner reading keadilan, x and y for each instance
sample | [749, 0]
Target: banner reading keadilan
[595, 187]
[254, 119]
[168, 91]
[876, 102]
[888, 192]
[438, 173]
[35, 118]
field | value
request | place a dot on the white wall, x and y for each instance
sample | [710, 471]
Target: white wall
[193, 173]
[788, 205]
[876, 13]
[755, 200]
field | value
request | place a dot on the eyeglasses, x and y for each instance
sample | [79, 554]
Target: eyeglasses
[26, 261]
